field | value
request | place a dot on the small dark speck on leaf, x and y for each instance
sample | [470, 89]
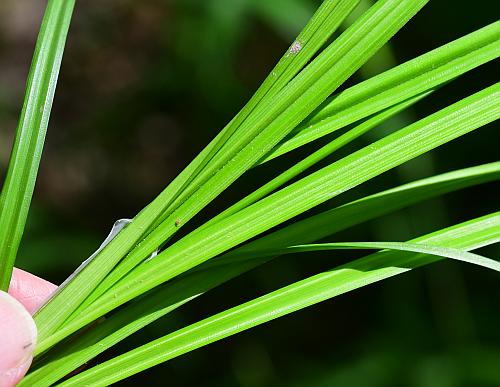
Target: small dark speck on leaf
[177, 222]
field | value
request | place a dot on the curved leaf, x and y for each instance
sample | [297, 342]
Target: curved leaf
[315, 289]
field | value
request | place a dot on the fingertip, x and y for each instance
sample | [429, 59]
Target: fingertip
[13, 376]
[30, 290]
[18, 335]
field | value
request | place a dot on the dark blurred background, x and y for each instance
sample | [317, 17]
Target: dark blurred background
[146, 84]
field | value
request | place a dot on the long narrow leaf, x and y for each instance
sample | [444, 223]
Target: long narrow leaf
[443, 252]
[397, 84]
[391, 151]
[315, 289]
[197, 247]
[165, 299]
[322, 25]
[70, 355]
[271, 122]
[52, 315]
[316, 157]
[18, 187]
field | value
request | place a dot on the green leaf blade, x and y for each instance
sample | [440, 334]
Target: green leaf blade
[20, 181]
[194, 249]
[315, 289]
[71, 355]
[395, 85]
[268, 124]
[317, 156]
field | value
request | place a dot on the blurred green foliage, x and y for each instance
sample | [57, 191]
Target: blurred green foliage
[145, 85]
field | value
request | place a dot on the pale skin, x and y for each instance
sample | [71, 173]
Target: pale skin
[18, 331]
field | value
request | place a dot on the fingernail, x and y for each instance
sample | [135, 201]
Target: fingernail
[18, 336]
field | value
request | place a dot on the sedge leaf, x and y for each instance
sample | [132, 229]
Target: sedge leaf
[197, 247]
[395, 85]
[72, 354]
[272, 121]
[315, 289]
[25, 157]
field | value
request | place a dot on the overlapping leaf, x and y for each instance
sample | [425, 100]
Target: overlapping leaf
[470, 235]
[69, 356]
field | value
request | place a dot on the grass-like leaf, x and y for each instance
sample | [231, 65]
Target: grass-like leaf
[105, 261]
[397, 84]
[296, 104]
[197, 247]
[322, 25]
[387, 90]
[19, 183]
[315, 289]
[443, 252]
[70, 355]
[317, 156]
[271, 121]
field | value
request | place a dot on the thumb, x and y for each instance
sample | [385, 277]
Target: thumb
[18, 336]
